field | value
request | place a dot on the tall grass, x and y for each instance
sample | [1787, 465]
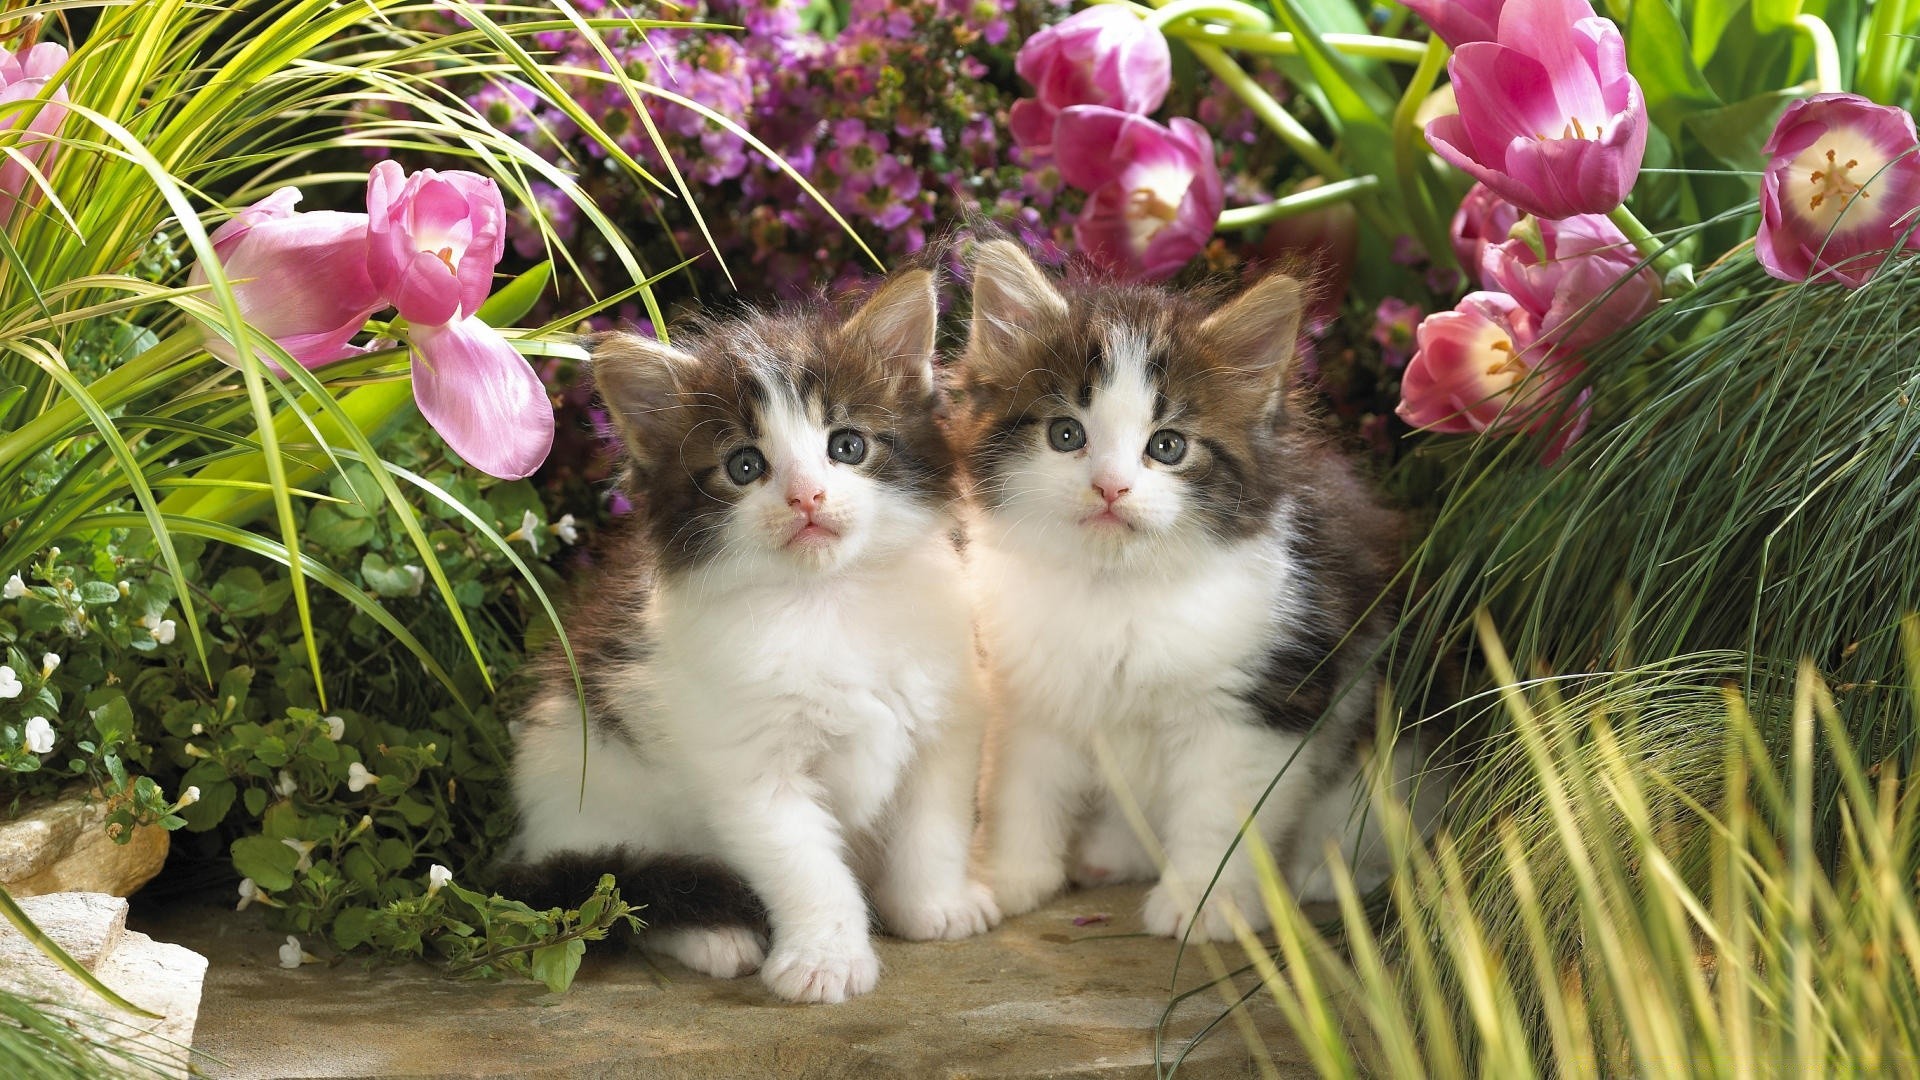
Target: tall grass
[1695, 936]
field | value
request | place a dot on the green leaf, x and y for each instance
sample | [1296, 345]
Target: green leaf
[112, 716]
[1735, 133]
[217, 793]
[98, 593]
[513, 300]
[557, 964]
[255, 800]
[336, 531]
[266, 860]
[385, 579]
[353, 927]
[1662, 59]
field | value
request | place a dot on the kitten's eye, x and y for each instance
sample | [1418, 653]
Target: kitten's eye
[1066, 435]
[746, 465]
[1167, 447]
[847, 446]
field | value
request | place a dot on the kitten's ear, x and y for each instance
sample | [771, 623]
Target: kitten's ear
[639, 379]
[1012, 300]
[895, 326]
[1257, 330]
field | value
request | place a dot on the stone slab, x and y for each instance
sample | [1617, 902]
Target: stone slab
[156, 976]
[63, 846]
[1038, 998]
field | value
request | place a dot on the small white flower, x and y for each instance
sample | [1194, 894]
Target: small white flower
[305, 850]
[194, 750]
[529, 531]
[336, 728]
[39, 735]
[365, 823]
[124, 587]
[437, 878]
[48, 663]
[566, 529]
[10, 685]
[358, 777]
[189, 796]
[249, 892]
[15, 589]
[292, 955]
[163, 631]
[199, 729]
[418, 575]
[284, 785]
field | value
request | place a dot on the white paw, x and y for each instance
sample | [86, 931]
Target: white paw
[727, 952]
[822, 972]
[965, 913]
[1168, 917]
[1020, 889]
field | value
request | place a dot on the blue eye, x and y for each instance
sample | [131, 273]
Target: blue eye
[746, 465]
[1167, 447]
[847, 446]
[1066, 435]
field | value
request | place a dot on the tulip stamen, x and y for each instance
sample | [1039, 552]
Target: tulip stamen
[445, 255]
[1834, 180]
[1508, 365]
[1146, 202]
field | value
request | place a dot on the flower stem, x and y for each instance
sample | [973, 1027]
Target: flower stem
[1664, 258]
[1281, 43]
[1291, 131]
[1242, 217]
[1409, 156]
[1826, 52]
[1229, 11]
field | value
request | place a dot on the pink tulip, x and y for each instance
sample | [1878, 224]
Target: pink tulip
[1481, 368]
[1155, 191]
[300, 278]
[434, 239]
[433, 242]
[1580, 286]
[482, 397]
[23, 77]
[1840, 189]
[1549, 118]
[1482, 220]
[1101, 56]
[1462, 22]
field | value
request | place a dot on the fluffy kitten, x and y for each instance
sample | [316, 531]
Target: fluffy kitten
[777, 660]
[1175, 580]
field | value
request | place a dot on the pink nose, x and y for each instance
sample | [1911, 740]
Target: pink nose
[806, 497]
[1110, 490]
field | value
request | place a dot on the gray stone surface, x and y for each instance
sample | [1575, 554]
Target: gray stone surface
[1039, 997]
[156, 976]
[64, 847]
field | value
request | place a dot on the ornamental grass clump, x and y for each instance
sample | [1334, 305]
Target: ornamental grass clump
[1659, 906]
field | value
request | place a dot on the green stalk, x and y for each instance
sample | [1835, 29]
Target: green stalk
[1409, 150]
[1826, 52]
[109, 390]
[1229, 11]
[1879, 75]
[1270, 111]
[1281, 43]
[1243, 217]
[1665, 259]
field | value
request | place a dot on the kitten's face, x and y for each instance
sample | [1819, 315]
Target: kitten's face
[782, 445]
[1123, 424]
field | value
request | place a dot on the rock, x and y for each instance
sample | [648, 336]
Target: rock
[1070, 991]
[64, 847]
[161, 978]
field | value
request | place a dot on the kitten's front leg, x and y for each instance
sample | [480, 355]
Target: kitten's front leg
[1221, 767]
[776, 831]
[1037, 786]
[924, 892]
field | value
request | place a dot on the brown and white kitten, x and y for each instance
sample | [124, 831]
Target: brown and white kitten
[778, 659]
[1178, 585]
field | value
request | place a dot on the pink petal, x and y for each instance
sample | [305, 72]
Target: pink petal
[425, 291]
[300, 278]
[1032, 125]
[1086, 144]
[482, 397]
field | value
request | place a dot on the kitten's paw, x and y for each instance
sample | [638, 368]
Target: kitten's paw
[727, 952]
[825, 972]
[1018, 891]
[966, 913]
[1168, 917]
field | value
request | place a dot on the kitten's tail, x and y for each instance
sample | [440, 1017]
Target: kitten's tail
[673, 891]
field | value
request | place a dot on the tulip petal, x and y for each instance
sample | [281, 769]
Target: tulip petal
[482, 397]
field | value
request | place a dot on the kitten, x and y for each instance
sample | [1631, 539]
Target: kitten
[777, 660]
[1168, 567]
